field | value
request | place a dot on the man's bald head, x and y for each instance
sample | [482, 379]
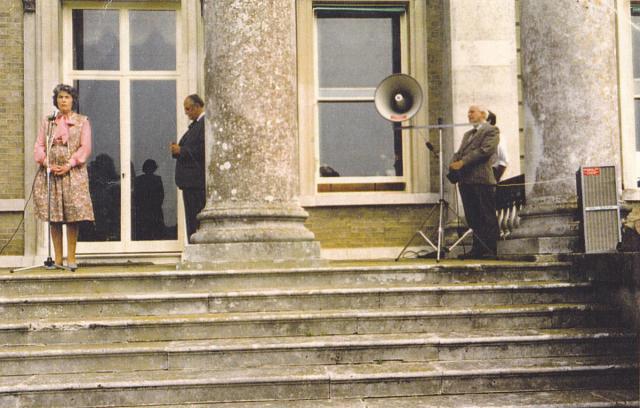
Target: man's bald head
[477, 114]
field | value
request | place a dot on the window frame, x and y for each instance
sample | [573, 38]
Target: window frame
[415, 158]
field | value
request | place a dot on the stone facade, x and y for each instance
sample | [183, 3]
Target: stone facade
[467, 55]
[11, 120]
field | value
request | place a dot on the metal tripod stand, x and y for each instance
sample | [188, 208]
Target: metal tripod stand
[443, 206]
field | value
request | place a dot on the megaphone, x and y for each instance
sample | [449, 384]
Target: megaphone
[398, 97]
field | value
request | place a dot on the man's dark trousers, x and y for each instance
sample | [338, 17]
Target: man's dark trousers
[194, 200]
[189, 175]
[479, 202]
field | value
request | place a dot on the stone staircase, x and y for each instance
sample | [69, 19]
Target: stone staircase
[408, 334]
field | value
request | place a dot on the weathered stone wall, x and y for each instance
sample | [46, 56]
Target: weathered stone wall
[618, 278]
[367, 226]
[11, 119]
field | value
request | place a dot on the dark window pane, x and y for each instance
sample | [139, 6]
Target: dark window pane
[357, 142]
[153, 40]
[100, 100]
[96, 44]
[153, 128]
[357, 52]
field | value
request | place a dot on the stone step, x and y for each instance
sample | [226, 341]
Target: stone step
[223, 354]
[304, 323]
[551, 399]
[145, 280]
[316, 382]
[88, 304]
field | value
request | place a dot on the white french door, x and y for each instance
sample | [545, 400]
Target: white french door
[127, 63]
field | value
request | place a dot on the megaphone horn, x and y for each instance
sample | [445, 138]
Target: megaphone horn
[398, 97]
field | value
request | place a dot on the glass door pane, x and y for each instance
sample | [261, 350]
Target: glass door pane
[96, 44]
[100, 101]
[153, 128]
[153, 40]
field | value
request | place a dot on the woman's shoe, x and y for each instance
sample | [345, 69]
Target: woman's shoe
[72, 266]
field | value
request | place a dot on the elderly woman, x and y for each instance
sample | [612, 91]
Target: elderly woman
[65, 153]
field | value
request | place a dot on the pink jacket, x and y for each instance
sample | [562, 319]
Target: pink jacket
[61, 135]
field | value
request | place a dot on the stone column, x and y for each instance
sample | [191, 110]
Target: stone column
[571, 114]
[252, 216]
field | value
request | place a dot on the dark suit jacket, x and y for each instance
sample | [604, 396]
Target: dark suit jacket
[476, 151]
[190, 162]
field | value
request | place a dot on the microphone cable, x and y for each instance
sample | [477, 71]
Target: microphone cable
[24, 211]
[50, 120]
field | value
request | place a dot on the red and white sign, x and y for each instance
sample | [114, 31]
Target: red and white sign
[591, 171]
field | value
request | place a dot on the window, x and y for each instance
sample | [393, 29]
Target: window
[356, 49]
[346, 146]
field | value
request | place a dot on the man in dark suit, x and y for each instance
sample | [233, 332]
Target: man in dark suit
[477, 184]
[189, 155]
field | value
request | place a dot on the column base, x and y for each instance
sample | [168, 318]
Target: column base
[252, 255]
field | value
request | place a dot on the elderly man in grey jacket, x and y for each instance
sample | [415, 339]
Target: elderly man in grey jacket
[477, 184]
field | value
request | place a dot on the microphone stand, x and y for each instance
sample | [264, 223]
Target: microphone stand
[48, 263]
[443, 206]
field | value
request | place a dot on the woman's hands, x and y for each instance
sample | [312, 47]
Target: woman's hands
[60, 170]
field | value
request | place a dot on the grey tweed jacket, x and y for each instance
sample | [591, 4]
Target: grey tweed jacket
[476, 149]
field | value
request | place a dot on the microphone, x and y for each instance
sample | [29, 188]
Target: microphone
[53, 115]
[431, 148]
